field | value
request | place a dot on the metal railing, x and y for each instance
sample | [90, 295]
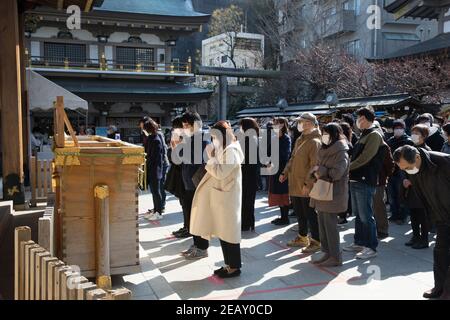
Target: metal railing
[104, 64]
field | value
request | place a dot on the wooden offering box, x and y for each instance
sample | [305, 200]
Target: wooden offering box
[79, 169]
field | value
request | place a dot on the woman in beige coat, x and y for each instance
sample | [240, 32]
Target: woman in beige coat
[216, 208]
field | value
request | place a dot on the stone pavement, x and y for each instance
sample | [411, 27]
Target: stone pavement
[270, 269]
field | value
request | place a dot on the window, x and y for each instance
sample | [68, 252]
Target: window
[59, 52]
[129, 57]
[162, 58]
[224, 59]
[211, 62]
[354, 5]
[248, 44]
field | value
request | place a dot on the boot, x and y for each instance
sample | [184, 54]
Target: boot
[299, 242]
[313, 247]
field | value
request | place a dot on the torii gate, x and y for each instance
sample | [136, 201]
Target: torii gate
[224, 73]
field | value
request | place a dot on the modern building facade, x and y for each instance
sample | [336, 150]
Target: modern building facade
[121, 60]
[362, 27]
[232, 50]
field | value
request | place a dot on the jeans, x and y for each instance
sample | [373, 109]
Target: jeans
[362, 205]
[155, 188]
[163, 191]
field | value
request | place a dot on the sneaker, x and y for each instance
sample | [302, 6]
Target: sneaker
[188, 251]
[353, 248]
[299, 242]
[225, 273]
[367, 253]
[314, 246]
[155, 216]
[196, 254]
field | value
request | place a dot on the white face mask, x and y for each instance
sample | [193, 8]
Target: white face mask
[415, 138]
[413, 171]
[358, 123]
[399, 132]
[326, 139]
[300, 127]
[277, 128]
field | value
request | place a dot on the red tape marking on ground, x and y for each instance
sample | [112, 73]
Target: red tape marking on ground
[306, 285]
[155, 223]
[216, 280]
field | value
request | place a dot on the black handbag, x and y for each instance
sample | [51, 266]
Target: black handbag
[198, 175]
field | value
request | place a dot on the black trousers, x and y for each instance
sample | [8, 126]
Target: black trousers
[248, 207]
[307, 218]
[200, 243]
[186, 203]
[419, 224]
[284, 212]
[231, 254]
[441, 254]
[155, 188]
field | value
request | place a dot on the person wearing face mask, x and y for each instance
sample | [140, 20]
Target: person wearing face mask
[446, 133]
[365, 166]
[429, 173]
[249, 133]
[195, 143]
[298, 173]
[398, 211]
[216, 207]
[435, 140]
[419, 222]
[278, 190]
[332, 166]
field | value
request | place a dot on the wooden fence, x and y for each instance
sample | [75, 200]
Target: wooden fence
[38, 275]
[41, 178]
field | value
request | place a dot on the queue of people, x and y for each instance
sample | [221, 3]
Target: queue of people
[324, 173]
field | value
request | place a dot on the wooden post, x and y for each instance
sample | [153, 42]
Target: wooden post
[11, 103]
[51, 276]
[76, 282]
[45, 232]
[102, 254]
[96, 294]
[40, 282]
[45, 265]
[59, 122]
[20, 234]
[28, 270]
[119, 294]
[84, 288]
[33, 270]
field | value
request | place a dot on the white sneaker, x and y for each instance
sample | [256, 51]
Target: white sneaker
[353, 248]
[155, 216]
[367, 253]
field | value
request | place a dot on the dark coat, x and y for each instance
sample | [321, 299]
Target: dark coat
[395, 143]
[190, 167]
[284, 153]
[432, 184]
[155, 153]
[435, 141]
[333, 165]
[387, 169]
[250, 166]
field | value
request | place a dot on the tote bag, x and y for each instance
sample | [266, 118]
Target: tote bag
[322, 190]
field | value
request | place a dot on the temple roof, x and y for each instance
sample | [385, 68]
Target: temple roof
[174, 8]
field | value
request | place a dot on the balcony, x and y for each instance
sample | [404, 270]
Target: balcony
[108, 67]
[339, 23]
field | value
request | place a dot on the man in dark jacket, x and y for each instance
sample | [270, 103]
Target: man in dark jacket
[366, 163]
[400, 138]
[429, 172]
[192, 160]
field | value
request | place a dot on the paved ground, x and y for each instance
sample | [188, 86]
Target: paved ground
[270, 269]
